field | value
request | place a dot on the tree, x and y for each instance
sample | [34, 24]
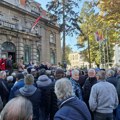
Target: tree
[56, 7]
[92, 22]
[67, 52]
[66, 17]
[88, 27]
[110, 12]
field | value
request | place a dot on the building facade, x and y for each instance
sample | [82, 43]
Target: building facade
[77, 61]
[116, 57]
[18, 39]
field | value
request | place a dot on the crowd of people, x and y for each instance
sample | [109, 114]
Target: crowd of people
[48, 93]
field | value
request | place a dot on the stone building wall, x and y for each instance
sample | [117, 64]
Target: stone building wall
[15, 27]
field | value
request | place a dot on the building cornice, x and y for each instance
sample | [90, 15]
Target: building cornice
[25, 12]
[17, 31]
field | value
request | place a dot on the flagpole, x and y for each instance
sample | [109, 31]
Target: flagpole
[107, 49]
[100, 53]
[104, 56]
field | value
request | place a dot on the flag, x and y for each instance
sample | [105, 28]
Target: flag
[100, 33]
[36, 22]
[97, 36]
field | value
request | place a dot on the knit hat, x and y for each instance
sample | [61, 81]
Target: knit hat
[43, 80]
[29, 79]
[10, 78]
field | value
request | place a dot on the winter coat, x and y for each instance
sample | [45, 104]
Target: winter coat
[72, 109]
[4, 91]
[87, 88]
[16, 87]
[76, 88]
[82, 80]
[103, 97]
[112, 80]
[54, 105]
[34, 95]
[118, 87]
[45, 102]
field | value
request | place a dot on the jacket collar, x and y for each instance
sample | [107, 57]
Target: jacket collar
[66, 100]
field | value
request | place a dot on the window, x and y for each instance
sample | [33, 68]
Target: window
[27, 54]
[52, 38]
[8, 46]
[52, 57]
[38, 55]
[76, 57]
[73, 57]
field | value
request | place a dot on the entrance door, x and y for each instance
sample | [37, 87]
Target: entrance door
[13, 56]
[8, 48]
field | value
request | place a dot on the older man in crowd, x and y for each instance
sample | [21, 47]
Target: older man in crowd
[71, 108]
[32, 93]
[110, 77]
[90, 81]
[76, 86]
[18, 108]
[103, 98]
[17, 85]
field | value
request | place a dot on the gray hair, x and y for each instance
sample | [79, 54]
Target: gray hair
[18, 108]
[29, 79]
[110, 73]
[118, 69]
[101, 74]
[3, 74]
[63, 89]
[91, 70]
[75, 71]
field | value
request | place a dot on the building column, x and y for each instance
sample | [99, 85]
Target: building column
[45, 47]
[20, 48]
[34, 51]
[58, 49]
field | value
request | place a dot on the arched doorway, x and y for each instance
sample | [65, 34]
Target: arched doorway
[8, 48]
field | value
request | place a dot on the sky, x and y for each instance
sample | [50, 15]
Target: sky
[72, 41]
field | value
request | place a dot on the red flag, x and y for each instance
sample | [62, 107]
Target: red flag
[36, 22]
[97, 36]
